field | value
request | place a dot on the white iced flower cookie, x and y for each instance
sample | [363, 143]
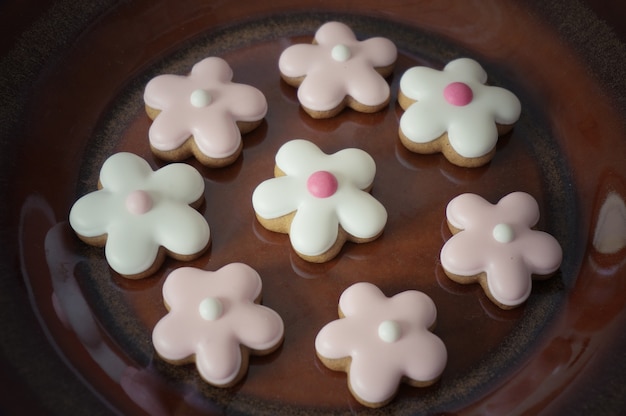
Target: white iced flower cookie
[140, 215]
[320, 200]
[453, 112]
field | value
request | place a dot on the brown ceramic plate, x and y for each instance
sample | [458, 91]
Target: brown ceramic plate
[76, 336]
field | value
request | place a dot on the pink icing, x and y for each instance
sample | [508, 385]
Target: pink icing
[339, 65]
[499, 241]
[387, 339]
[211, 315]
[458, 93]
[206, 104]
[322, 184]
[138, 202]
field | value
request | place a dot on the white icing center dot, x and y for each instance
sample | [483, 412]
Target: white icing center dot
[138, 202]
[200, 98]
[389, 331]
[503, 233]
[341, 53]
[210, 309]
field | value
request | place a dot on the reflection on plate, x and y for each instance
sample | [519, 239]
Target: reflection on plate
[88, 330]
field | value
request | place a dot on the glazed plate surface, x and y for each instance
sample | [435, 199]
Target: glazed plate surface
[77, 336]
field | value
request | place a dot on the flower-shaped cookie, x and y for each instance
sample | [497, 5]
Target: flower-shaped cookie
[140, 215]
[454, 112]
[202, 114]
[215, 319]
[320, 200]
[382, 341]
[496, 246]
[337, 71]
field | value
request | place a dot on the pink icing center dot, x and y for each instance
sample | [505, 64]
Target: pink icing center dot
[322, 184]
[458, 93]
[138, 202]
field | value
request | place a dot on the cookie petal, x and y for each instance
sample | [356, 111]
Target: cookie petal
[276, 197]
[314, 228]
[373, 383]
[366, 86]
[421, 123]
[178, 181]
[361, 215]
[472, 134]
[91, 214]
[295, 61]
[124, 171]
[169, 131]
[320, 91]
[130, 247]
[458, 257]
[179, 228]
[170, 340]
[260, 328]
[219, 360]
[216, 134]
[509, 280]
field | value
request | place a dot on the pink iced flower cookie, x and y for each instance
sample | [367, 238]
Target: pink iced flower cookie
[215, 320]
[141, 215]
[381, 341]
[453, 112]
[320, 200]
[202, 114]
[338, 71]
[496, 246]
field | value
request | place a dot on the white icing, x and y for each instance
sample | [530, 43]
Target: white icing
[210, 309]
[315, 226]
[503, 233]
[133, 240]
[200, 98]
[341, 53]
[389, 331]
[471, 128]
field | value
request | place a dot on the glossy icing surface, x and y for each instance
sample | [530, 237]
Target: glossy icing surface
[139, 210]
[577, 351]
[318, 216]
[387, 339]
[339, 65]
[211, 314]
[499, 241]
[457, 101]
[205, 104]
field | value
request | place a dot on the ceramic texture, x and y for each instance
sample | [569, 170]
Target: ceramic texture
[77, 336]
